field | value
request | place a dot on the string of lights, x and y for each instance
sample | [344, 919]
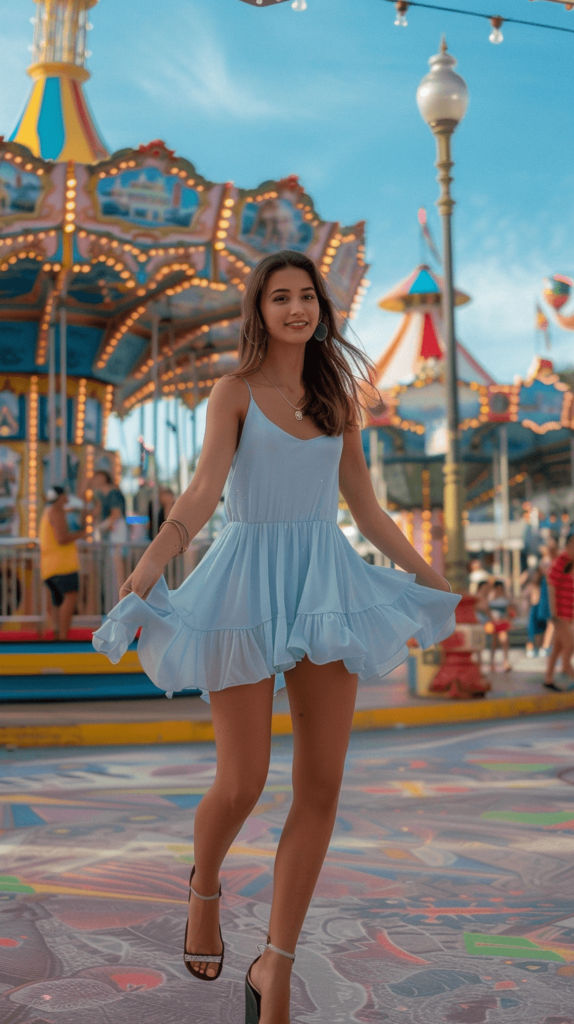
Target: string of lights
[496, 21]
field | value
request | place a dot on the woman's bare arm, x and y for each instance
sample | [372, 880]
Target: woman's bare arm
[372, 521]
[225, 413]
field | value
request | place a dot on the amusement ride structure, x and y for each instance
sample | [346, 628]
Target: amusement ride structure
[516, 439]
[121, 276]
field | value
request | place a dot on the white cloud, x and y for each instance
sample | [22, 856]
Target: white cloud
[502, 266]
[202, 80]
[202, 72]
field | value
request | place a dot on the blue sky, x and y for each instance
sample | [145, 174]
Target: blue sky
[251, 93]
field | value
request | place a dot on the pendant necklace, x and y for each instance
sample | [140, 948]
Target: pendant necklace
[298, 413]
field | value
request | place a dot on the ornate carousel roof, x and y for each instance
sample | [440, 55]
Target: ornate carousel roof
[120, 239]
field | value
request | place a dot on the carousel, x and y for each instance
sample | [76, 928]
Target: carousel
[121, 275]
[516, 438]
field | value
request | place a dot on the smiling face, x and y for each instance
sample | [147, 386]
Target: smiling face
[290, 307]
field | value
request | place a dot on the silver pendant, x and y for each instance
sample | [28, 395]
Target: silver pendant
[298, 414]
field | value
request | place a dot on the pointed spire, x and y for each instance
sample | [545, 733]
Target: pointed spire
[421, 288]
[56, 123]
[417, 349]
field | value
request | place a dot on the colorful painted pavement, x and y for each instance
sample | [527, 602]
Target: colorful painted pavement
[447, 894]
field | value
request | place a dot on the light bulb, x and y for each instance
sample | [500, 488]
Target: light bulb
[496, 35]
[401, 18]
[299, 5]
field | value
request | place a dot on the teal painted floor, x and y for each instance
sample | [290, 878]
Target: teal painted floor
[447, 894]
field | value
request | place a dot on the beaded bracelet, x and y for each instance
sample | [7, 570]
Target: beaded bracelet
[182, 530]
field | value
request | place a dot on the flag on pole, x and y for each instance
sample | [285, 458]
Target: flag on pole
[427, 237]
[543, 325]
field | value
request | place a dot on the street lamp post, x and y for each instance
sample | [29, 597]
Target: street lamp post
[442, 99]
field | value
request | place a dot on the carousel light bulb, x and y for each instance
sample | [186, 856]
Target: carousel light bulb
[496, 35]
[299, 5]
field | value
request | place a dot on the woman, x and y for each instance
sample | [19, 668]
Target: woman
[281, 591]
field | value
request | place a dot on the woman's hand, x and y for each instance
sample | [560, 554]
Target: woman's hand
[429, 578]
[143, 579]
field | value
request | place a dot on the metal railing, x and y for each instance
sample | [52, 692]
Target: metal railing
[103, 569]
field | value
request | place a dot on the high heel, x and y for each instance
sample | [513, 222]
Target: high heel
[189, 958]
[252, 1000]
[252, 995]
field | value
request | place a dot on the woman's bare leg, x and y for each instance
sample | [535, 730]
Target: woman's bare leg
[242, 724]
[322, 701]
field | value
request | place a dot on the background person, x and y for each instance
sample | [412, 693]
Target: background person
[561, 600]
[59, 560]
[166, 503]
[501, 612]
[548, 552]
[481, 605]
[112, 525]
[477, 575]
[537, 619]
[112, 508]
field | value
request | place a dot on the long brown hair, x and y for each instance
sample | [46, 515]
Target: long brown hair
[331, 389]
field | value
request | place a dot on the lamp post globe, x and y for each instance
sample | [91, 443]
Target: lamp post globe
[442, 99]
[442, 94]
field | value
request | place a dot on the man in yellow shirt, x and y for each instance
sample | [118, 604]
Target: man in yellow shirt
[59, 560]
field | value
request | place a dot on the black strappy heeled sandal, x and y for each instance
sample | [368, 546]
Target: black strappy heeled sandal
[252, 995]
[189, 958]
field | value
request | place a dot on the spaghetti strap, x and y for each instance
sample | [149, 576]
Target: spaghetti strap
[248, 388]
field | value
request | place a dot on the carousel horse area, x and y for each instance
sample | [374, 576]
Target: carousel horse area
[447, 893]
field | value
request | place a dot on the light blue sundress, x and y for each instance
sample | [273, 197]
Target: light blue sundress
[280, 582]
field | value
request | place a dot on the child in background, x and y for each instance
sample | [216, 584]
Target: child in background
[501, 612]
[536, 617]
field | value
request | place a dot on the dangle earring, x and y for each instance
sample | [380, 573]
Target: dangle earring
[321, 331]
[245, 322]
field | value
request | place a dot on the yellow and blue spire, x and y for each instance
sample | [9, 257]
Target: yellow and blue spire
[56, 123]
